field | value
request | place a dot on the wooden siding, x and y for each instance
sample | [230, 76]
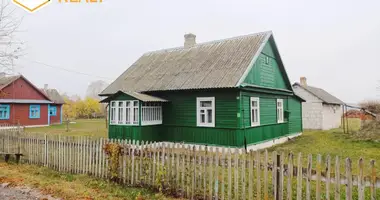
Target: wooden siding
[182, 108]
[20, 89]
[295, 118]
[200, 135]
[56, 119]
[19, 113]
[267, 75]
[269, 128]
[231, 128]
[145, 133]
[261, 133]
[180, 122]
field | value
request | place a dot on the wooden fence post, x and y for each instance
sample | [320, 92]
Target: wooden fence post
[290, 176]
[328, 177]
[349, 180]
[373, 180]
[309, 168]
[318, 184]
[361, 179]
[337, 178]
[299, 176]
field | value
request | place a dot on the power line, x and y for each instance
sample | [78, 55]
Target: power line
[69, 70]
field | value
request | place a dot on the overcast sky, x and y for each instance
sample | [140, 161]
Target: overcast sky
[335, 44]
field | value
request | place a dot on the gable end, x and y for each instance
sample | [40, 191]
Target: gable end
[266, 69]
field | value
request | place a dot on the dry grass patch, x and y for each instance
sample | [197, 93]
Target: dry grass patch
[69, 187]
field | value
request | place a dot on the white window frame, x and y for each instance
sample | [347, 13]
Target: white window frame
[255, 99]
[120, 108]
[280, 111]
[133, 122]
[151, 114]
[114, 110]
[199, 108]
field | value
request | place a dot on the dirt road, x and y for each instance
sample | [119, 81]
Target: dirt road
[21, 193]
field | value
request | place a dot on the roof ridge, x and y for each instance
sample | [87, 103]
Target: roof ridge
[208, 42]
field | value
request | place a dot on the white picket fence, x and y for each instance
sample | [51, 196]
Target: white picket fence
[213, 173]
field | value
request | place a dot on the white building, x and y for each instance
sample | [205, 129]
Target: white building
[321, 110]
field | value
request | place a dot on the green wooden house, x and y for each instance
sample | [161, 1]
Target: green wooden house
[232, 92]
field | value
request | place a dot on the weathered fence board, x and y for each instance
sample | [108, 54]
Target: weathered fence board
[200, 173]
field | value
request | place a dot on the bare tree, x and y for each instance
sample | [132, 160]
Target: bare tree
[95, 88]
[10, 48]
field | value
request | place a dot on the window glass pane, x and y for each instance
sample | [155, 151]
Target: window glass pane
[113, 104]
[127, 115]
[127, 104]
[135, 103]
[120, 104]
[254, 103]
[256, 116]
[203, 120]
[209, 116]
[135, 115]
[206, 103]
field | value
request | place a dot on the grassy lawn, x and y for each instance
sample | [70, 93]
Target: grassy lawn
[333, 143]
[68, 186]
[81, 127]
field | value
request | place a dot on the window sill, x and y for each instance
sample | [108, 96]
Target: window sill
[151, 123]
[206, 125]
[255, 125]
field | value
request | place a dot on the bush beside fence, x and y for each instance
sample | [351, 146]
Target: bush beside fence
[183, 170]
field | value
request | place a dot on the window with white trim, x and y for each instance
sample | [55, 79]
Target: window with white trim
[113, 113]
[255, 111]
[135, 108]
[206, 111]
[128, 108]
[120, 112]
[151, 113]
[124, 112]
[280, 110]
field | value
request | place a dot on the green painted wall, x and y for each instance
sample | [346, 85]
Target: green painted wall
[269, 128]
[267, 75]
[231, 128]
[145, 133]
[182, 108]
[295, 117]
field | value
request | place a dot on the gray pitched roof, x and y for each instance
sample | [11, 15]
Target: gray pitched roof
[6, 80]
[216, 64]
[54, 95]
[321, 94]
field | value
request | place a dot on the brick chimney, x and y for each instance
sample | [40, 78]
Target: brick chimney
[190, 40]
[303, 81]
[46, 86]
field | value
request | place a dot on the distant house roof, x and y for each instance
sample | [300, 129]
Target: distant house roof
[139, 96]
[7, 80]
[321, 94]
[215, 64]
[54, 95]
